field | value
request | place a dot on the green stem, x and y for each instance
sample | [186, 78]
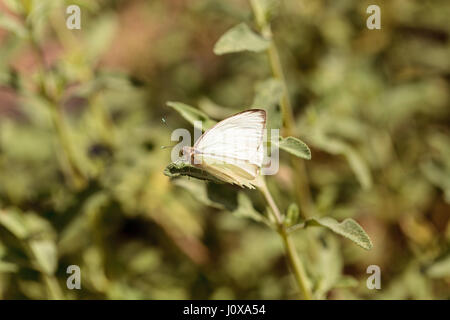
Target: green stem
[289, 246]
[106, 128]
[60, 126]
[74, 172]
[53, 287]
[303, 193]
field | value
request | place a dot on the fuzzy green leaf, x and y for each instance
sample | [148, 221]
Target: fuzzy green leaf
[440, 269]
[240, 38]
[192, 114]
[438, 176]
[13, 25]
[179, 168]
[295, 146]
[245, 209]
[348, 228]
[45, 254]
[14, 222]
[14, 5]
[292, 215]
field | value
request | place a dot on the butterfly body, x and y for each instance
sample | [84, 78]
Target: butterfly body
[232, 150]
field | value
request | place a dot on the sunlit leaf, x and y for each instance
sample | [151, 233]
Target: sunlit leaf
[295, 146]
[14, 5]
[437, 176]
[440, 268]
[348, 228]
[192, 114]
[292, 215]
[13, 25]
[245, 209]
[100, 36]
[240, 38]
[45, 253]
[13, 221]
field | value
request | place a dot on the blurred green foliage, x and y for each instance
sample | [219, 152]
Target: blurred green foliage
[83, 115]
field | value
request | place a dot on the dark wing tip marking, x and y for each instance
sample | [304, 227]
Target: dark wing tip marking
[254, 111]
[234, 115]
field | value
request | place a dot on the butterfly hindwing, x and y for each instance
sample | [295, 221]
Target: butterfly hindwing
[241, 172]
[232, 150]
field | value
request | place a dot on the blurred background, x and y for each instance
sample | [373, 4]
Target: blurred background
[83, 117]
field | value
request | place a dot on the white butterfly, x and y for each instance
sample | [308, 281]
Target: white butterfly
[232, 150]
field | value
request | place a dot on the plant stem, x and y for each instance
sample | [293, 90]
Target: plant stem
[289, 246]
[75, 174]
[300, 178]
[53, 287]
[296, 264]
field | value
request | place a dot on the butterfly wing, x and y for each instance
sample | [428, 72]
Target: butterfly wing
[232, 149]
[238, 137]
[241, 172]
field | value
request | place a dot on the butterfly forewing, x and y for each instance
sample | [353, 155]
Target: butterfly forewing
[235, 139]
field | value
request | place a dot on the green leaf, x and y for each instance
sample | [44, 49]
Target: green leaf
[14, 222]
[192, 114]
[216, 196]
[179, 168]
[440, 269]
[100, 37]
[348, 228]
[223, 195]
[240, 38]
[14, 5]
[292, 215]
[199, 190]
[295, 146]
[437, 176]
[355, 161]
[12, 25]
[245, 209]
[45, 253]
